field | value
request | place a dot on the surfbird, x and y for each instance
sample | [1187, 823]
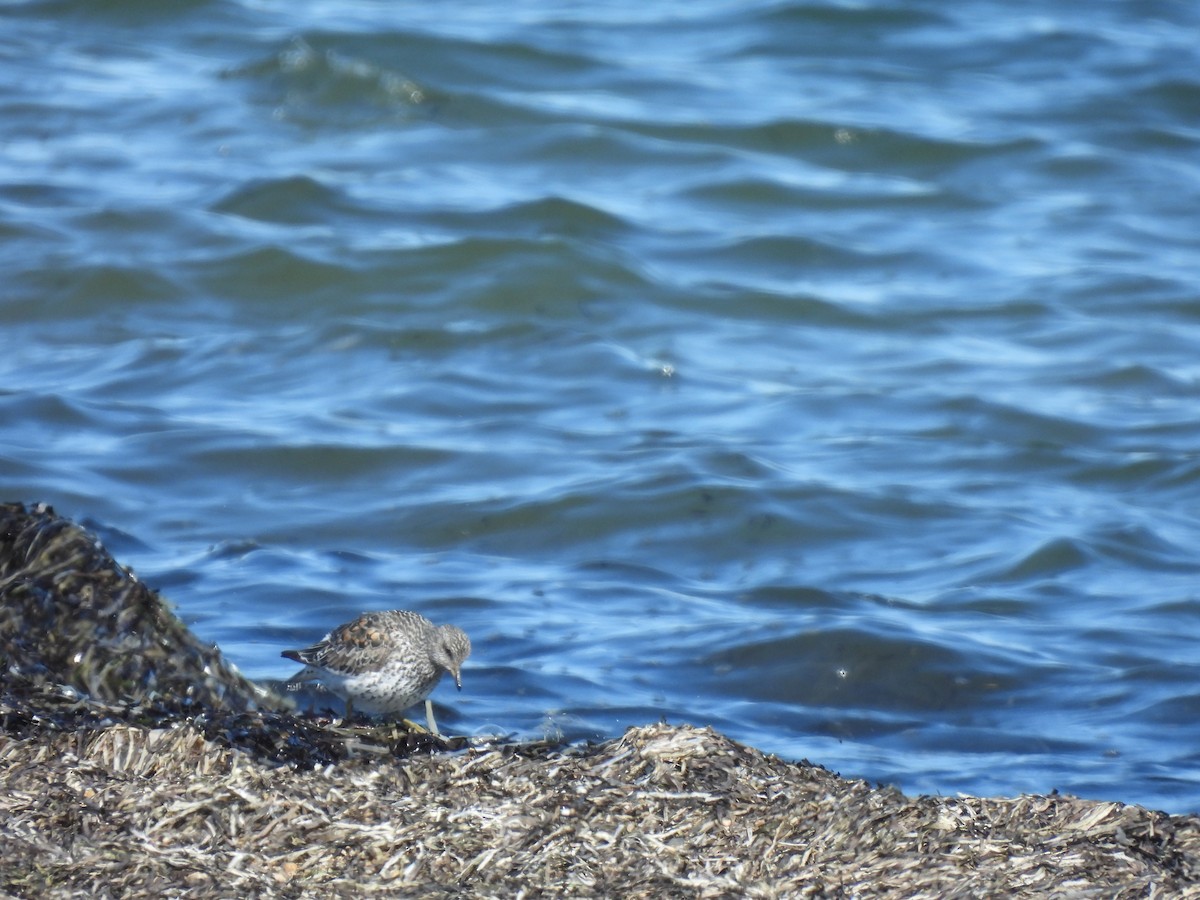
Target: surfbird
[385, 662]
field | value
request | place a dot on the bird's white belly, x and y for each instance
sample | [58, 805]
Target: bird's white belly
[387, 691]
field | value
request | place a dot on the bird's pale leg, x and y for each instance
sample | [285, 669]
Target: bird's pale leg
[429, 718]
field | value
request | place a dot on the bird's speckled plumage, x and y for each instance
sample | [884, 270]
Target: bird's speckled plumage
[384, 662]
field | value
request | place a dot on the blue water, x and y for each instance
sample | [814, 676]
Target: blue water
[825, 372]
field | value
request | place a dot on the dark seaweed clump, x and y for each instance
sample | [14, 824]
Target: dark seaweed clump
[71, 615]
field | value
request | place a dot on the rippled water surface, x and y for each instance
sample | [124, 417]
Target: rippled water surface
[825, 372]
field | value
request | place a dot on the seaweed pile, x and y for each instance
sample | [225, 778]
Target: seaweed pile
[662, 812]
[122, 793]
[72, 615]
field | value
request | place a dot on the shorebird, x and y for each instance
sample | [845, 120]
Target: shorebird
[385, 662]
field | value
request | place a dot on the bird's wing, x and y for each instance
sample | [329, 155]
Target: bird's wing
[349, 648]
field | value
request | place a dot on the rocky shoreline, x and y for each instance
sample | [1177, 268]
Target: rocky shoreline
[134, 761]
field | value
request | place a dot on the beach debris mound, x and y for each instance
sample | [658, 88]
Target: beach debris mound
[73, 617]
[665, 811]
